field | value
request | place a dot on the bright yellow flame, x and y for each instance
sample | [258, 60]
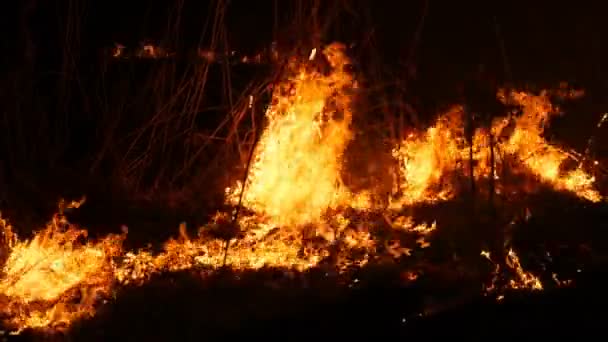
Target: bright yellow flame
[425, 160]
[295, 192]
[43, 276]
[543, 159]
[295, 176]
[428, 161]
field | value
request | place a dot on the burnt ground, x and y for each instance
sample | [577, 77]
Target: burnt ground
[179, 308]
[564, 236]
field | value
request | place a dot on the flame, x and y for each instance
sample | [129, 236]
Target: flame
[521, 280]
[263, 245]
[524, 279]
[543, 159]
[429, 160]
[295, 176]
[299, 212]
[59, 277]
[55, 277]
[425, 159]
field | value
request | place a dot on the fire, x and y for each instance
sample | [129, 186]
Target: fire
[521, 280]
[295, 176]
[263, 245]
[524, 280]
[300, 215]
[56, 277]
[293, 188]
[428, 161]
[543, 159]
[257, 248]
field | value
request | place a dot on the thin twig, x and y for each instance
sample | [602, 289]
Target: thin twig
[248, 165]
[240, 203]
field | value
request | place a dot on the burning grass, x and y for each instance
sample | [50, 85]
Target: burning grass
[295, 176]
[428, 158]
[57, 276]
[300, 216]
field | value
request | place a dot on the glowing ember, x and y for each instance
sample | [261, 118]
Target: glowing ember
[521, 280]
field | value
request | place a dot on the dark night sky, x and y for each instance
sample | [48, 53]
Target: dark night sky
[546, 42]
[451, 24]
[543, 40]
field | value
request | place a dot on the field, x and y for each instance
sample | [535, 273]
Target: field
[159, 193]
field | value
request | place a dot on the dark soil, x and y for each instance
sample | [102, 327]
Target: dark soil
[252, 305]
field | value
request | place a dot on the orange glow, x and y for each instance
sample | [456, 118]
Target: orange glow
[43, 276]
[522, 280]
[541, 158]
[296, 173]
[300, 214]
[425, 160]
[428, 160]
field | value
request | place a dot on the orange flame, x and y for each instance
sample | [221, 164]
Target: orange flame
[44, 276]
[428, 160]
[523, 280]
[543, 159]
[295, 191]
[295, 176]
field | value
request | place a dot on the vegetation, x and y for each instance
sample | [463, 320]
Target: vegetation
[153, 142]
